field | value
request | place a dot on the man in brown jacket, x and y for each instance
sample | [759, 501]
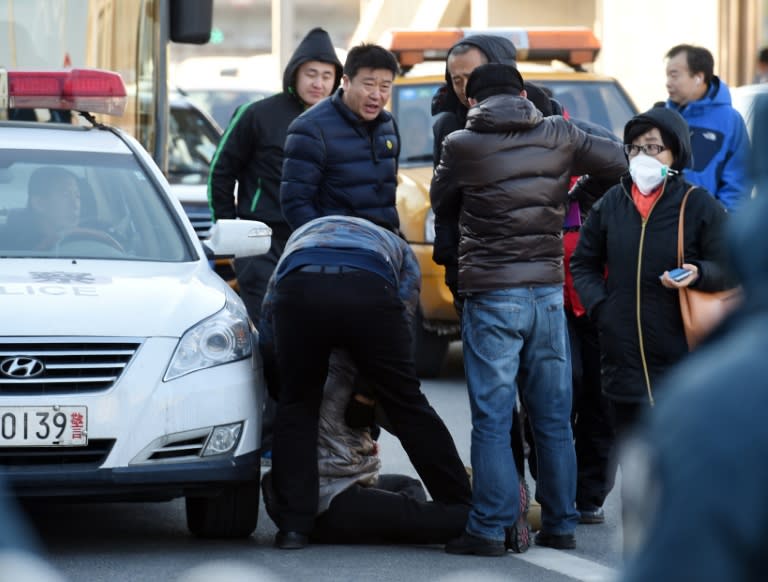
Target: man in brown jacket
[505, 178]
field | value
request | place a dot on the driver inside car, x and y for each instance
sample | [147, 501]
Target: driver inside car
[52, 211]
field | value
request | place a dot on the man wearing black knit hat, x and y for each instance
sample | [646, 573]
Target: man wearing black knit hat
[505, 180]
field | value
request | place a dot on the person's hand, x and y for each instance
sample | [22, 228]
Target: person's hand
[671, 284]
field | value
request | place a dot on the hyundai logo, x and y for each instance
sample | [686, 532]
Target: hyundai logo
[21, 367]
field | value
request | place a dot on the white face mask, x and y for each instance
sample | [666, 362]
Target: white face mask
[647, 173]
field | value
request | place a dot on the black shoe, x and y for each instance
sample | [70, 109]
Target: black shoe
[467, 544]
[556, 541]
[290, 540]
[592, 515]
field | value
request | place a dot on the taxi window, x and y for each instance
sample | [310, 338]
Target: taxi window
[57, 204]
[601, 102]
[412, 108]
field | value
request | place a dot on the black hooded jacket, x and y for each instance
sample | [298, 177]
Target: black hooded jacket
[251, 149]
[641, 329]
[451, 114]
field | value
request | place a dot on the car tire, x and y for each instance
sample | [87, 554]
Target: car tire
[429, 349]
[232, 513]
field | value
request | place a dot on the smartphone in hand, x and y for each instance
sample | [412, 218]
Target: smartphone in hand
[678, 275]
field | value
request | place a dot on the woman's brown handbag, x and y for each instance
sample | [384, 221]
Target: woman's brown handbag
[701, 311]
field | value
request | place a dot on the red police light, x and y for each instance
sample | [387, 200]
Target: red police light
[92, 90]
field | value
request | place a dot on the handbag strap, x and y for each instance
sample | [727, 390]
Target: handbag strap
[681, 228]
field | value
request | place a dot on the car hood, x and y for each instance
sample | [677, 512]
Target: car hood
[106, 298]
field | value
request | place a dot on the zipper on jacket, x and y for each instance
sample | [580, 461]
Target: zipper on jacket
[638, 285]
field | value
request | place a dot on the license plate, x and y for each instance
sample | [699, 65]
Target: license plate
[35, 426]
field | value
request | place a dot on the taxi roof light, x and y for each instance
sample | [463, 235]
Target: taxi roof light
[575, 46]
[90, 90]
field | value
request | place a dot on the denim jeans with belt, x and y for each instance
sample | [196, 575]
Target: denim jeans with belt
[509, 333]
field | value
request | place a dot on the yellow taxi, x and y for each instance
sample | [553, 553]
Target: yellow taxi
[553, 58]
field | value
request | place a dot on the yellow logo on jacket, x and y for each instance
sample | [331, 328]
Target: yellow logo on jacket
[390, 145]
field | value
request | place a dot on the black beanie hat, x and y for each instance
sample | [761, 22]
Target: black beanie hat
[494, 78]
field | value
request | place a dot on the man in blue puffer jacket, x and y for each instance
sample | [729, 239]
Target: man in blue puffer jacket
[719, 139]
[341, 155]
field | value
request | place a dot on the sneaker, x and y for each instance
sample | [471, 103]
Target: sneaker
[556, 541]
[518, 537]
[596, 515]
[468, 544]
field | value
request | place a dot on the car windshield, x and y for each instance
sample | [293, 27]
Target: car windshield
[601, 102]
[412, 107]
[77, 205]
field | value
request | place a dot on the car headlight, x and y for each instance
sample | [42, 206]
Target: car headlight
[429, 226]
[222, 338]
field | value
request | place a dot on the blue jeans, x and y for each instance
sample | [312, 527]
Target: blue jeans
[510, 334]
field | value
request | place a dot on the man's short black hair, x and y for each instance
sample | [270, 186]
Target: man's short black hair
[762, 56]
[699, 60]
[371, 56]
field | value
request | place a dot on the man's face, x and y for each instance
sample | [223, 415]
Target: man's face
[368, 91]
[460, 67]
[682, 86]
[59, 209]
[314, 81]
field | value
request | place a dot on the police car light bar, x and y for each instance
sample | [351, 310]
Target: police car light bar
[91, 90]
[575, 46]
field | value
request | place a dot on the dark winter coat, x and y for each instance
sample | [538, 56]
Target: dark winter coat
[505, 178]
[451, 115]
[641, 329]
[336, 163]
[251, 150]
[708, 436]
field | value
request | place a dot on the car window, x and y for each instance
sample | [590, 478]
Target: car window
[412, 107]
[601, 102]
[192, 143]
[57, 204]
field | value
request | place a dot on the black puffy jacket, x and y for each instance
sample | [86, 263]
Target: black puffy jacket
[505, 178]
[336, 163]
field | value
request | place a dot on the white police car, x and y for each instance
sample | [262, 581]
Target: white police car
[128, 368]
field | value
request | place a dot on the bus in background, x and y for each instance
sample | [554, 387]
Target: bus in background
[129, 37]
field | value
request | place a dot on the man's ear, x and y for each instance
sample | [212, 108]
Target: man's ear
[472, 101]
[345, 81]
[524, 93]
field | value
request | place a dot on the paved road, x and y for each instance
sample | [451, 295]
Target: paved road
[116, 542]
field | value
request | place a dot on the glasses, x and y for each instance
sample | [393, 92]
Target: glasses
[649, 149]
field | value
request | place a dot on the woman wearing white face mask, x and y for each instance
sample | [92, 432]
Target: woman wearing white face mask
[626, 249]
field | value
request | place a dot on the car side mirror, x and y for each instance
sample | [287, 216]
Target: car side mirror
[239, 238]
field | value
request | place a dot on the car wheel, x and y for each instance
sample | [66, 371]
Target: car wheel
[232, 513]
[429, 349]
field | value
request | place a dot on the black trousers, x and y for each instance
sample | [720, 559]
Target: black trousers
[358, 311]
[395, 510]
[593, 417]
